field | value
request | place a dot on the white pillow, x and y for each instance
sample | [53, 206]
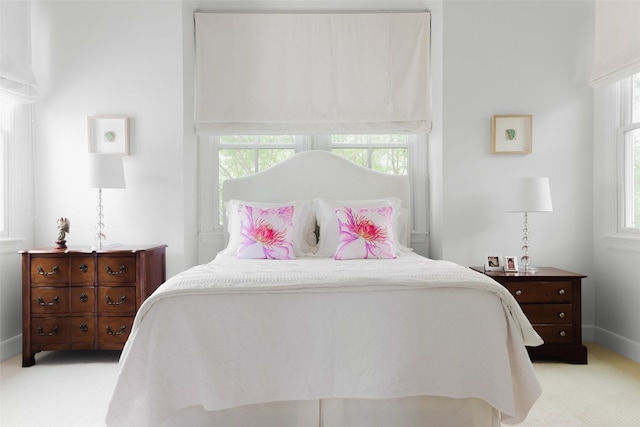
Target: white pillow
[365, 233]
[304, 224]
[325, 210]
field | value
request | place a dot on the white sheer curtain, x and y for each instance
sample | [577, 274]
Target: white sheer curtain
[16, 74]
[18, 92]
[617, 41]
[320, 73]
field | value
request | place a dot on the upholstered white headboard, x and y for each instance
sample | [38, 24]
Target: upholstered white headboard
[313, 174]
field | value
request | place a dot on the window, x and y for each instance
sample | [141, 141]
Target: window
[6, 106]
[383, 153]
[226, 157]
[629, 149]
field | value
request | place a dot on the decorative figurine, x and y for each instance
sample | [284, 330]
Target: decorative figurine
[63, 228]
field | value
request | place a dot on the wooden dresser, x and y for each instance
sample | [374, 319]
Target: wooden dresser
[78, 298]
[552, 301]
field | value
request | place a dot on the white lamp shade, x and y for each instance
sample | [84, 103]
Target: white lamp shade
[528, 195]
[106, 171]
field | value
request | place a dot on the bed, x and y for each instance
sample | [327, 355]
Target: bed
[347, 331]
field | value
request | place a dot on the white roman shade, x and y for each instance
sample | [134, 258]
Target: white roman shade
[617, 41]
[16, 74]
[293, 73]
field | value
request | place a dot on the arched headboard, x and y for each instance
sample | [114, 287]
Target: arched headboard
[311, 174]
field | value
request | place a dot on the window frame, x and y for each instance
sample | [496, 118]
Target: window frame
[4, 179]
[625, 160]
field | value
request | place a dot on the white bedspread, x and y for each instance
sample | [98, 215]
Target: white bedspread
[237, 332]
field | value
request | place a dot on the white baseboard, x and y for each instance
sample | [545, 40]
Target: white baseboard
[10, 347]
[621, 345]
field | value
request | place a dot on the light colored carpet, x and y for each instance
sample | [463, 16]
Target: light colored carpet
[604, 393]
[72, 389]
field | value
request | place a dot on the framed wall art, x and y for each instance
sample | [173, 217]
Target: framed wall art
[109, 134]
[511, 134]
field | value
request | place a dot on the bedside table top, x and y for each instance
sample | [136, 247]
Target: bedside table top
[541, 273]
[113, 249]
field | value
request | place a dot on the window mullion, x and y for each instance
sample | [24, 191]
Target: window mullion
[321, 142]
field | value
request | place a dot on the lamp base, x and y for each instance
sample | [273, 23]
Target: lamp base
[61, 244]
[528, 269]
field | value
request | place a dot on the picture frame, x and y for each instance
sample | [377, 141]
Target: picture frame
[108, 134]
[510, 264]
[493, 262]
[511, 134]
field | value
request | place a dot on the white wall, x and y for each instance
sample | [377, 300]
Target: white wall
[524, 57]
[113, 58]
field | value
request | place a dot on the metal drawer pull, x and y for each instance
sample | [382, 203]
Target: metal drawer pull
[48, 304]
[48, 273]
[123, 269]
[123, 298]
[84, 297]
[121, 331]
[41, 332]
[84, 327]
[518, 292]
[561, 315]
[561, 291]
[83, 267]
[563, 333]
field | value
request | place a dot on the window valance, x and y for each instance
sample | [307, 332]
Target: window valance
[16, 74]
[326, 73]
[617, 41]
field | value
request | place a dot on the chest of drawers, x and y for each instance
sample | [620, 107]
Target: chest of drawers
[552, 301]
[85, 299]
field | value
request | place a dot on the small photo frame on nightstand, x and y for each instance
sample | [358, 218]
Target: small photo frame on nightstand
[511, 264]
[493, 262]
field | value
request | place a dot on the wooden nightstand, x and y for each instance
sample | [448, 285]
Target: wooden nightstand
[78, 298]
[551, 300]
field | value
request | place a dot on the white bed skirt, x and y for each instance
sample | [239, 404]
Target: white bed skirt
[405, 412]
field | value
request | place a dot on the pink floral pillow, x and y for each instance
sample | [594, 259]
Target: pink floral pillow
[365, 233]
[266, 233]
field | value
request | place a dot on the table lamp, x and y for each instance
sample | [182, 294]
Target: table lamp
[105, 171]
[528, 195]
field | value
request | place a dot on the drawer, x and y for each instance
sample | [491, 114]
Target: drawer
[117, 269]
[82, 270]
[49, 300]
[540, 291]
[555, 334]
[113, 331]
[50, 330]
[117, 300]
[49, 271]
[548, 313]
[82, 300]
[83, 329]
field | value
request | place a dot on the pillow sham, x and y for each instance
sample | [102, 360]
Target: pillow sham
[325, 211]
[365, 233]
[266, 233]
[304, 224]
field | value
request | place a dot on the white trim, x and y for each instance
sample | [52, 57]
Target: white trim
[11, 245]
[618, 343]
[10, 347]
[622, 242]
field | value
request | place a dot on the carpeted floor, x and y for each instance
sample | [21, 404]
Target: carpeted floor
[604, 393]
[72, 389]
